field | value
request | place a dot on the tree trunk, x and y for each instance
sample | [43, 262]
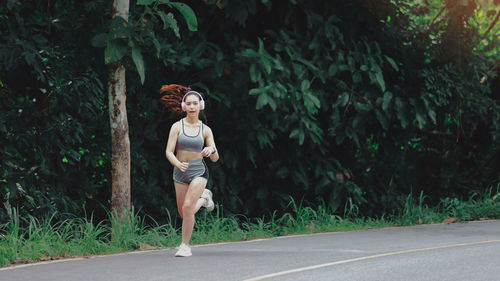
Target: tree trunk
[120, 152]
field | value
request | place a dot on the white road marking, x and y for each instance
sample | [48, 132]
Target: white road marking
[267, 276]
[350, 251]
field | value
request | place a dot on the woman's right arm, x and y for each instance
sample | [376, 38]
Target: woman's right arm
[172, 140]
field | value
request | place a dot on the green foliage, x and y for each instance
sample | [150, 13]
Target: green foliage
[130, 36]
[353, 98]
[415, 211]
[350, 103]
[52, 114]
[479, 206]
[33, 239]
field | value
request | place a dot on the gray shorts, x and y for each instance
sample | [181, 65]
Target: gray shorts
[197, 168]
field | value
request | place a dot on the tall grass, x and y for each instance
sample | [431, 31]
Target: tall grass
[30, 239]
[415, 211]
[478, 206]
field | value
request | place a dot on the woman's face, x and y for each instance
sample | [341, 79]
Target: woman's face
[192, 105]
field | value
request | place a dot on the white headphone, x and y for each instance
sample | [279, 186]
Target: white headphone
[202, 102]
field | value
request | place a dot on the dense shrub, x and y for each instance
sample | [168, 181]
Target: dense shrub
[322, 100]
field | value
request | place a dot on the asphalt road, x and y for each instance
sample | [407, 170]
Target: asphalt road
[462, 251]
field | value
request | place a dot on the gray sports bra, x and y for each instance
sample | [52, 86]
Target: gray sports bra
[191, 143]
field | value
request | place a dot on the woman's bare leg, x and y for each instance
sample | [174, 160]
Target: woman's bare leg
[180, 192]
[199, 204]
[192, 203]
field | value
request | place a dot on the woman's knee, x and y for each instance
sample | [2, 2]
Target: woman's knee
[188, 207]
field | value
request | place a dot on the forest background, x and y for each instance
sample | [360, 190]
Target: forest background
[328, 102]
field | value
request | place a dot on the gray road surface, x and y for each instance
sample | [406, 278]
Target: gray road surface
[463, 251]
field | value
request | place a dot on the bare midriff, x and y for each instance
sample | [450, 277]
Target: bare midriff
[186, 155]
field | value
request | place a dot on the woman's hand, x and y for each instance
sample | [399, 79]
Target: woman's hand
[183, 166]
[207, 151]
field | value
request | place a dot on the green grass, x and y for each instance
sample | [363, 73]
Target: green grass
[31, 240]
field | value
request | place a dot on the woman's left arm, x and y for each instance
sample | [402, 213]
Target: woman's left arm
[210, 150]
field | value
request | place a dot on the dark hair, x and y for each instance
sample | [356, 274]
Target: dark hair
[173, 98]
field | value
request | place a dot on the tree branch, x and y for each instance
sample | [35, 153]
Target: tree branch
[437, 15]
[492, 24]
[445, 135]
[343, 84]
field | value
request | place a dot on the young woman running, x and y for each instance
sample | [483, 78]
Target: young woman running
[190, 141]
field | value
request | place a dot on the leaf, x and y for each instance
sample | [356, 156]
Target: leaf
[139, 63]
[343, 99]
[392, 63]
[421, 113]
[356, 77]
[315, 100]
[254, 91]
[322, 184]
[339, 137]
[272, 104]
[300, 176]
[99, 41]
[403, 113]
[251, 53]
[254, 73]
[351, 134]
[266, 64]
[421, 120]
[164, 18]
[119, 29]
[387, 100]
[358, 120]
[282, 173]
[382, 119]
[250, 153]
[157, 46]
[332, 70]
[264, 99]
[311, 102]
[432, 115]
[301, 137]
[314, 131]
[145, 2]
[308, 64]
[281, 90]
[380, 80]
[264, 139]
[362, 107]
[294, 134]
[304, 86]
[262, 51]
[188, 14]
[115, 50]
[278, 65]
[169, 21]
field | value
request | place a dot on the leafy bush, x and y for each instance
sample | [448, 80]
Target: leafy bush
[335, 102]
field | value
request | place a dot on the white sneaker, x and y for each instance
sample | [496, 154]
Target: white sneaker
[184, 251]
[207, 194]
